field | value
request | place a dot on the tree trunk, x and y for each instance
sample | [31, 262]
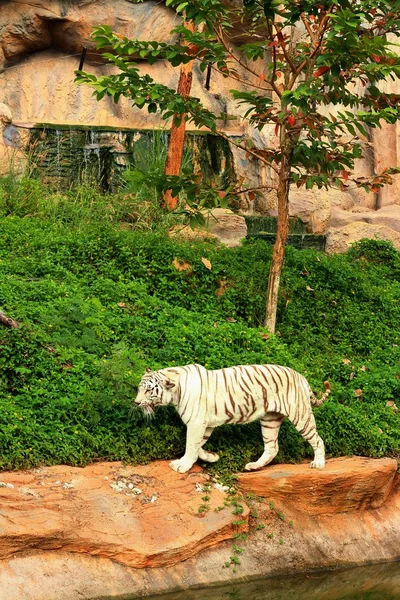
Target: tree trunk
[177, 135]
[278, 251]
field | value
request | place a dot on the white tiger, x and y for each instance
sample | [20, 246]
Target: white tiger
[206, 399]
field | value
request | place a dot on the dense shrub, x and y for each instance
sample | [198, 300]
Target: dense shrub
[97, 304]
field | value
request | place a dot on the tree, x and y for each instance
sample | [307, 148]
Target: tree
[315, 68]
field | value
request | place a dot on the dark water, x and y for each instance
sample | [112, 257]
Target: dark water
[376, 582]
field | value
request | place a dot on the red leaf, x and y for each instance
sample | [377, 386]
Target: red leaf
[222, 194]
[292, 120]
[251, 196]
[280, 38]
[345, 175]
[320, 71]
[276, 128]
[375, 58]
[193, 49]
[262, 77]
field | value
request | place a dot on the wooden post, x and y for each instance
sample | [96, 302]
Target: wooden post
[82, 60]
[177, 135]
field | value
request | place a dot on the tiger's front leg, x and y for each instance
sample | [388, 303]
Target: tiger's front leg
[194, 440]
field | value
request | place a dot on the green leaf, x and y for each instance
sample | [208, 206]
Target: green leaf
[181, 6]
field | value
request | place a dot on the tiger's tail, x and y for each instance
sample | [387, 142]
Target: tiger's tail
[318, 401]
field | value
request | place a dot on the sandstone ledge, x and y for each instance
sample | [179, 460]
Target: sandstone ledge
[44, 568]
[345, 485]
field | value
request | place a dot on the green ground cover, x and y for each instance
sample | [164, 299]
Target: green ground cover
[97, 303]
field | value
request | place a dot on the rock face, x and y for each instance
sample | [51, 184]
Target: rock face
[72, 533]
[145, 516]
[345, 485]
[27, 28]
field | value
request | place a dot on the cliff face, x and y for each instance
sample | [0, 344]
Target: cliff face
[40, 47]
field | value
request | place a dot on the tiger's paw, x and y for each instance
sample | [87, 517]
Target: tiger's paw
[253, 466]
[179, 466]
[210, 457]
[318, 464]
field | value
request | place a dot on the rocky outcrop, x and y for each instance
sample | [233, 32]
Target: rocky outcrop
[339, 240]
[389, 216]
[345, 485]
[73, 532]
[144, 516]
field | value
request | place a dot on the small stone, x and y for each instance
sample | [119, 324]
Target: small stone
[68, 486]
[28, 492]
[149, 499]
[220, 487]
[115, 487]
[392, 404]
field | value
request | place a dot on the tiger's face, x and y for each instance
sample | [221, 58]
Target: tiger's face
[154, 390]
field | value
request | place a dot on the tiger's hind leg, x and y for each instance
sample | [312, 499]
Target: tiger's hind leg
[210, 457]
[307, 428]
[270, 425]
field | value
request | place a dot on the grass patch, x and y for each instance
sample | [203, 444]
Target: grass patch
[97, 304]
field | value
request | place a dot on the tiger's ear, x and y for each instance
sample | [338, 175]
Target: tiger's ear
[169, 384]
[148, 370]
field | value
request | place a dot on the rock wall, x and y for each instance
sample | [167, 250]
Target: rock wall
[40, 47]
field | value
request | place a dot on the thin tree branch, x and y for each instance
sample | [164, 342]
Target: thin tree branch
[236, 78]
[249, 150]
[285, 52]
[255, 189]
[307, 26]
[320, 37]
[243, 64]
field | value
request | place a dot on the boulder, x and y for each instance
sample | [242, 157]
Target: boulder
[221, 224]
[313, 207]
[229, 227]
[387, 215]
[339, 240]
[344, 485]
[144, 516]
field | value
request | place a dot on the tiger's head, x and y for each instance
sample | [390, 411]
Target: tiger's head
[155, 389]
